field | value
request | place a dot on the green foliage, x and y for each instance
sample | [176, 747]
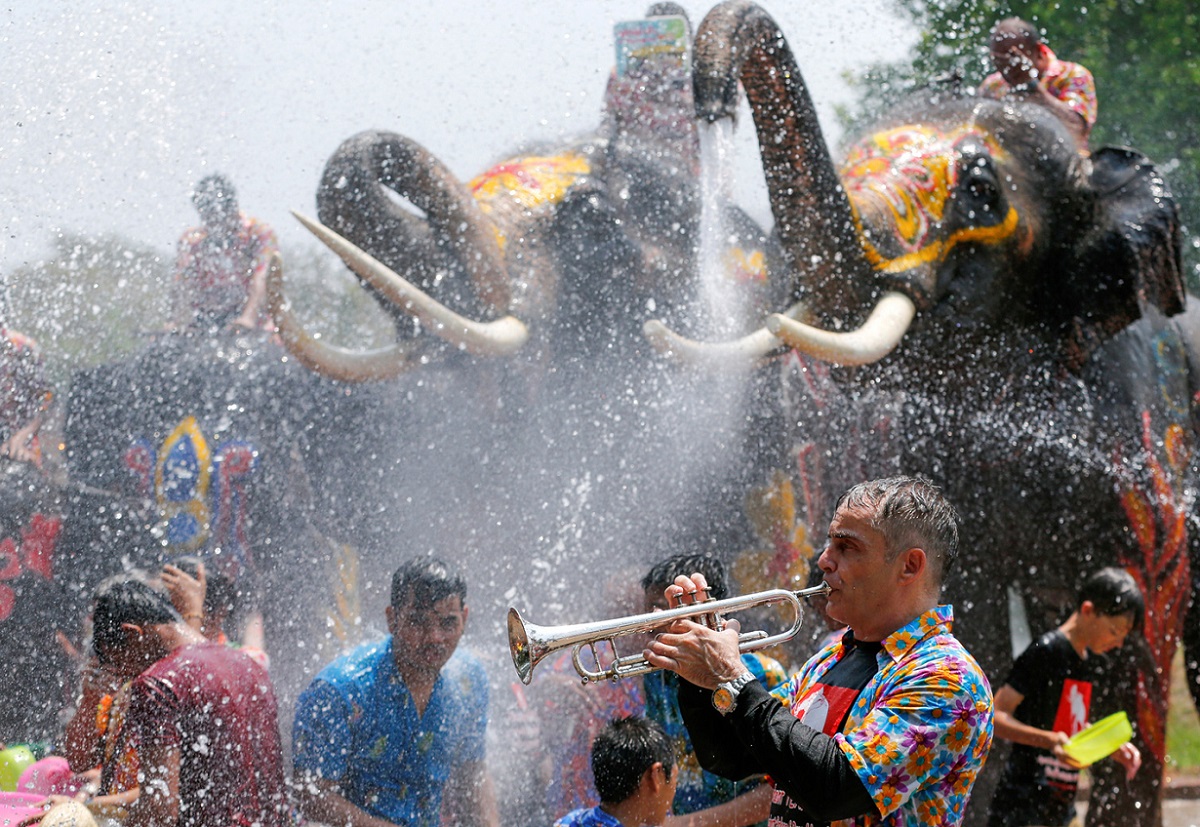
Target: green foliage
[329, 302]
[1183, 726]
[1144, 55]
[95, 298]
[99, 298]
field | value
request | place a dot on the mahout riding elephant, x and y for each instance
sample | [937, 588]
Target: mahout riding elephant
[981, 302]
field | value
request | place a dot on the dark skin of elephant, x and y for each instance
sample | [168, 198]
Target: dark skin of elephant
[1046, 380]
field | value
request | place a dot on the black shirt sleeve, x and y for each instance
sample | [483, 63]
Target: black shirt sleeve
[762, 736]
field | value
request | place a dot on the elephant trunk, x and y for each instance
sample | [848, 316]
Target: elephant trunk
[813, 216]
[353, 200]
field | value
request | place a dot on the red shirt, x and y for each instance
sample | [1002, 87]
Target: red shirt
[217, 707]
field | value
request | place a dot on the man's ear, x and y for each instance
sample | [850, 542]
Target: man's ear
[466, 613]
[133, 628]
[390, 613]
[655, 777]
[915, 563]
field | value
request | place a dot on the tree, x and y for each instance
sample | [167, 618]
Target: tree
[1144, 54]
[96, 298]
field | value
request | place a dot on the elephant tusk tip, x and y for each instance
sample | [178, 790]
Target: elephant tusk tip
[775, 323]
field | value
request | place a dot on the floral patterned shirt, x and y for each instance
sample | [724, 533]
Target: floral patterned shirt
[1069, 82]
[920, 730]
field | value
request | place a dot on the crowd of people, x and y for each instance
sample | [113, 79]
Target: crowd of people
[891, 718]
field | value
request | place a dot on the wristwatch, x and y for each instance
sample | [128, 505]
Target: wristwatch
[724, 697]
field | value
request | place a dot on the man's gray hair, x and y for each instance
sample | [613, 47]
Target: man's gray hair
[910, 512]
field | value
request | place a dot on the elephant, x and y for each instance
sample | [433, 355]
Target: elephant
[551, 253]
[202, 443]
[978, 301]
[518, 299]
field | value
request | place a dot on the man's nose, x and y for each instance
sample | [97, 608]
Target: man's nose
[825, 561]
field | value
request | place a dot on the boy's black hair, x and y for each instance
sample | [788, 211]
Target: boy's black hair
[623, 751]
[664, 572]
[428, 580]
[1114, 592]
[220, 595]
[126, 598]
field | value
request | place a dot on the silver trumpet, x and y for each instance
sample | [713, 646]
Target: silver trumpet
[530, 643]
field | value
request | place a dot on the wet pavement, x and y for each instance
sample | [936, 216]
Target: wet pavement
[1181, 812]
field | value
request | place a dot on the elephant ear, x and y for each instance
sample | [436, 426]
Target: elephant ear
[1132, 256]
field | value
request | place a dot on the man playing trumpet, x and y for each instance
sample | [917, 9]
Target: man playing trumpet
[892, 720]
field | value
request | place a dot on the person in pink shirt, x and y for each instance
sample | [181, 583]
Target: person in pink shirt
[1028, 70]
[221, 267]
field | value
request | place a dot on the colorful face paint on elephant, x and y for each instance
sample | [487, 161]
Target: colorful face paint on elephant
[533, 184]
[907, 176]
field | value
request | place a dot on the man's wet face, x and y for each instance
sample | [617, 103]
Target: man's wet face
[216, 211]
[424, 635]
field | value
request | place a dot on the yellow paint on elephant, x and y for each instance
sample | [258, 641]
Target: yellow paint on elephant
[910, 173]
[746, 267]
[531, 182]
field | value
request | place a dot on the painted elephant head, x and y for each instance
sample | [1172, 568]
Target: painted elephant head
[552, 250]
[979, 302]
[962, 209]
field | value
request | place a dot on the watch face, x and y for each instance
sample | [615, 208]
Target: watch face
[722, 699]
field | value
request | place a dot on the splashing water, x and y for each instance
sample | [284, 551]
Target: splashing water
[719, 302]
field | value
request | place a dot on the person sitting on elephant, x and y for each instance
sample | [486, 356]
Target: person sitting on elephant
[221, 268]
[1028, 69]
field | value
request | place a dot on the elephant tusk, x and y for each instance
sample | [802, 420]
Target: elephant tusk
[330, 361]
[740, 354]
[878, 336]
[501, 337]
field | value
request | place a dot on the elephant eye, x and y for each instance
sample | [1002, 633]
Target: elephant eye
[979, 196]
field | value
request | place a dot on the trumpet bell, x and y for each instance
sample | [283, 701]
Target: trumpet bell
[518, 644]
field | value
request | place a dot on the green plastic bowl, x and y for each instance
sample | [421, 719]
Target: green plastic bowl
[1100, 740]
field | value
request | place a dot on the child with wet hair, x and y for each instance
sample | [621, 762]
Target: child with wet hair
[633, 766]
[1046, 699]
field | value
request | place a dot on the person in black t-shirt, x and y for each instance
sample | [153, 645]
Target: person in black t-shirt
[1047, 698]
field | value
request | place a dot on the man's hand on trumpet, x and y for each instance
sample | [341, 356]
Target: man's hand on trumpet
[700, 655]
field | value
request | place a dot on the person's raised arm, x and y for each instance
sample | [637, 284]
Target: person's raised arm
[808, 764]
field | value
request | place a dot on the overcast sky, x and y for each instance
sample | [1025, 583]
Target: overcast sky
[113, 109]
